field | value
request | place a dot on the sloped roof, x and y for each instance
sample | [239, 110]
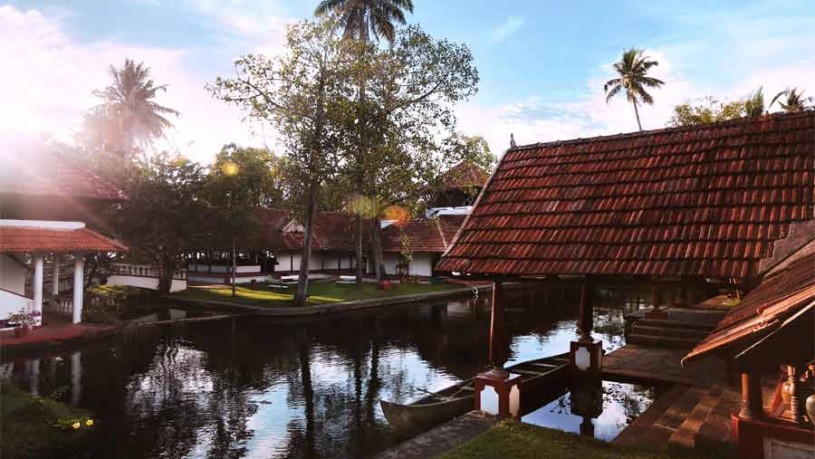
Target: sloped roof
[22, 240]
[429, 235]
[764, 309]
[33, 170]
[465, 174]
[705, 200]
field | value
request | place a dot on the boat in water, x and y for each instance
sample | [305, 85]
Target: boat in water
[456, 400]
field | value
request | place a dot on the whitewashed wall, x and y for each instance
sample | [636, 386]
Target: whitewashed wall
[11, 303]
[150, 283]
[421, 265]
[12, 275]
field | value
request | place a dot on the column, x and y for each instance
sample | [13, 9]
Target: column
[79, 287]
[751, 400]
[586, 315]
[55, 275]
[585, 353]
[37, 285]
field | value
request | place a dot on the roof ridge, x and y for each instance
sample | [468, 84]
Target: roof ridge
[651, 132]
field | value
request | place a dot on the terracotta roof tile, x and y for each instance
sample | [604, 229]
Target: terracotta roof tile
[429, 235]
[21, 240]
[707, 200]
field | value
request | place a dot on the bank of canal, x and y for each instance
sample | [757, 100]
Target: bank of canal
[261, 387]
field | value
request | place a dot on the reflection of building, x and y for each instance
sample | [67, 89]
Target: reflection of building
[773, 327]
[48, 206]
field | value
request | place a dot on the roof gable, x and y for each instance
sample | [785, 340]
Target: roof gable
[705, 200]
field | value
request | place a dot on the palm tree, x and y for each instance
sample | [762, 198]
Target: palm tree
[794, 100]
[129, 107]
[754, 105]
[363, 19]
[633, 78]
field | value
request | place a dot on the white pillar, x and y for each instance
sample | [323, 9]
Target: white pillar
[37, 285]
[79, 287]
[55, 275]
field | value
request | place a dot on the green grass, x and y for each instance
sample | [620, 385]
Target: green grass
[39, 427]
[511, 439]
[319, 293]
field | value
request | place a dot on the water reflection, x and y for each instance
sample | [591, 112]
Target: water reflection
[251, 388]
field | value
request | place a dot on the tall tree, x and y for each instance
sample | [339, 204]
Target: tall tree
[302, 93]
[366, 19]
[254, 175]
[793, 100]
[707, 110]
[164, 215]
[129, 116]
[408, 114]
[633, 79]
[363, 20]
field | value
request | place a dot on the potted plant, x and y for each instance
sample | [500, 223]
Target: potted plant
[24, 321]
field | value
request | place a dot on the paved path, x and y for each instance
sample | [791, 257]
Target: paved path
[662, 364]
[441, 439]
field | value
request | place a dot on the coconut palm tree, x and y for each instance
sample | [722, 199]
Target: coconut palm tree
[794, 100]
[754, 105]
[129, 108]
[633, 79]
[366, 19]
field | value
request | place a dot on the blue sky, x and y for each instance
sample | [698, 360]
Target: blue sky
[542, 63]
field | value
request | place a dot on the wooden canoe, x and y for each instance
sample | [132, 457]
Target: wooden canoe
[458, 399]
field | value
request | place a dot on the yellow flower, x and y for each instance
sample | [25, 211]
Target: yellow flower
[76, 425]
[89, 422]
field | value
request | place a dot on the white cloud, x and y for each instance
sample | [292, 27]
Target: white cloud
[501, 32]
[48, 79]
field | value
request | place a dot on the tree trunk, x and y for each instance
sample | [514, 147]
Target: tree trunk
[637, 114]
[165, 280]
[358, 248]
[308, 230]
[376, 249]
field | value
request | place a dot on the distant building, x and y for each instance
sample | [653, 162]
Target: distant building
[423, 239]
[461, 186]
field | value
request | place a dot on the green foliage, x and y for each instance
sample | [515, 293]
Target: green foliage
[793, 100]
[113, 303]
[252, 176]
[708, 110]
[754, 104]
[165, 215]
[633, 79]
[128, 115]
[35, 427]
[367, 18]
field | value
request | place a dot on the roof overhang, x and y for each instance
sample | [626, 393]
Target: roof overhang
[36, 236]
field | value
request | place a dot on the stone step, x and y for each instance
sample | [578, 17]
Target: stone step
[680, 409]
[699, 335]
[670, 323]
[687, 433]
[644, 432]
[662, 341]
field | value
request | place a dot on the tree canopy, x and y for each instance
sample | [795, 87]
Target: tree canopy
[706, 110]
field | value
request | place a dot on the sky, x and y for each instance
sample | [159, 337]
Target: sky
[542, 63]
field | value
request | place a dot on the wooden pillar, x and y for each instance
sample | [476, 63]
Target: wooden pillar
[497, 352]
[751, 399]
[79, 287]
[586, 315]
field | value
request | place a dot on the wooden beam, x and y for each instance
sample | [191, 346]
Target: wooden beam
[751, 400]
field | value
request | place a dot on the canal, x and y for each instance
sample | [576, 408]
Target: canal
[253, 387]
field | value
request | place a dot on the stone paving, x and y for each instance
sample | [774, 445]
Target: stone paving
[664, 365]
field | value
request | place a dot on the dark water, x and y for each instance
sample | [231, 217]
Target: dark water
[257, 388]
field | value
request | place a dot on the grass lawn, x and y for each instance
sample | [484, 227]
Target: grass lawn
[319, 293]
[39, 427]
[515, 440]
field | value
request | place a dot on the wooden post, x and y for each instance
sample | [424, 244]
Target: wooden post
[585, 320]
[497, 328]
[795, 406]
[751, 399]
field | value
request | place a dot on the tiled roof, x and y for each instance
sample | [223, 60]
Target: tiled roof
[764, 309]
[465, 174]
[429, 235]
[21, 240]
[30, 171]
[706, 200]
